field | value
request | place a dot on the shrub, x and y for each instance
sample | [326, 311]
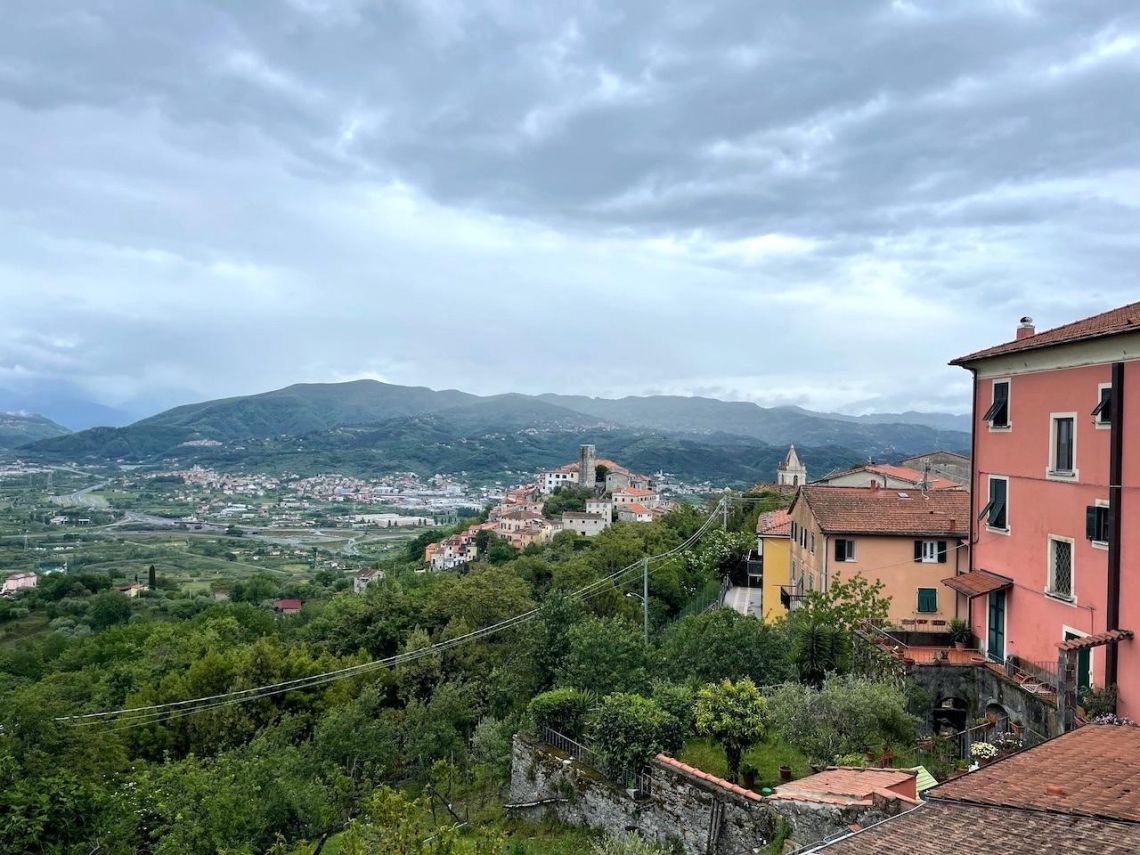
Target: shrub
[1099, 702]
[630, 730]
[847, 715]
[563, 710]
[678, 700]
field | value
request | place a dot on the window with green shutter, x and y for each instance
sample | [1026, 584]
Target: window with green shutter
[927, 600]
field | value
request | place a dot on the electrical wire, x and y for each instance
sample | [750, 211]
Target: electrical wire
[157, 713]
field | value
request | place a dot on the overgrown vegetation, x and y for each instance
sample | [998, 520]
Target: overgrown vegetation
[396, 755]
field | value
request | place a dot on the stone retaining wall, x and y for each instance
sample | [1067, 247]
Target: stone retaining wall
[702, 813]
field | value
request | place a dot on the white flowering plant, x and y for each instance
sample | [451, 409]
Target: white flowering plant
[983, 751]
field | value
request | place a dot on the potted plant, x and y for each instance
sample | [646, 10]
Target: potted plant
[785, 773]
[959, 633]
[983, 753]
[748, 772]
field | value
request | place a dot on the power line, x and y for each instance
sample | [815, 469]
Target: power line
[156, 713]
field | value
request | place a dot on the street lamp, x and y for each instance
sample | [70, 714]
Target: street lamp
[644, 597]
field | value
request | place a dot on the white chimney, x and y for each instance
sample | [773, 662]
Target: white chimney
[1025, 329]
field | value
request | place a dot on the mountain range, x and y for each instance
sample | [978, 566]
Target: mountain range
[421, 429]
[17, 429]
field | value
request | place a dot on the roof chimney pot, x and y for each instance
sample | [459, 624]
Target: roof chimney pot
[1054, 790]
[1025, 329]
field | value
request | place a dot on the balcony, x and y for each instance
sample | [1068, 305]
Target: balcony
[914, 649]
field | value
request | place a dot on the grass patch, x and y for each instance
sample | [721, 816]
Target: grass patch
[767, 757]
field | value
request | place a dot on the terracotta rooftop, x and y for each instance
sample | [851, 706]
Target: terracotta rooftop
[634, 507]
[898, 473]
[977, 582]
[1096, 768]
[693, 772]
[774, 524]
[633, 491]
[863, 510]
[846, 784]
[1114, 322]
[938, 828]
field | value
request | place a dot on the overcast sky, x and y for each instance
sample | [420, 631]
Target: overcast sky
[785, 202]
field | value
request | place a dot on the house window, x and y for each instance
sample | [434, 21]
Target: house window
[1103, 410]
[1063, 446]
[996, 513]
[1096, 523]
[1060, 568]
[795, 536]
[844, 549]
[811, 542]
[927, 600]
[930, 551]
[998, 413]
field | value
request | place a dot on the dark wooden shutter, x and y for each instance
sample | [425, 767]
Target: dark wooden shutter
[917, 551]
[942, 552]
[1090, 522]
[840, 550]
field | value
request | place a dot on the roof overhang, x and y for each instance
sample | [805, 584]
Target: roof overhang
[977, 583]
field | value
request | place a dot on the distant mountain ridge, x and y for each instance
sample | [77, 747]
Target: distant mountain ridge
[320, 413]
[19, 429]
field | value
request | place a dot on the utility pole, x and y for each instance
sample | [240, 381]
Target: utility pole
[724, 508]
[645, 598]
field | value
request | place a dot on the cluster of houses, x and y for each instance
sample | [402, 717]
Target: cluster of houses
[1033, 540]
[617, 494]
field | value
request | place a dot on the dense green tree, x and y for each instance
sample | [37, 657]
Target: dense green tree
[606, 655]
[723, 644]
[109, 608]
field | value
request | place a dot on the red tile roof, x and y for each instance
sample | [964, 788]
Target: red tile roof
[286, 604]
[898, 473]
[938, 828]
[977, 582]
[1114, 322]
[887, 511]
[633, 491]
[693, 772]
[774, 524]
[634, 507]
[1096, 767]
[851, 784]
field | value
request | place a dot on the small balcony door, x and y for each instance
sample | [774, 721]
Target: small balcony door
[1084, 664]
[995, 637]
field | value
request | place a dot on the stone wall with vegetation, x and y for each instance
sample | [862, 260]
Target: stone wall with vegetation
[683, 807]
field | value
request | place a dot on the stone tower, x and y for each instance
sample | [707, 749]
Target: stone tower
[587, 467]
[791, 473]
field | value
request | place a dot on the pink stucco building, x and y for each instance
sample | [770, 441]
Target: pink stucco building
[1055, 510]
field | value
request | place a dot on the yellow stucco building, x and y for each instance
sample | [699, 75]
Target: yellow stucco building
[773, 547]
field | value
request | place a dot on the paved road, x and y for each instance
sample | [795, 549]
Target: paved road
[83, 498]
[744, 600]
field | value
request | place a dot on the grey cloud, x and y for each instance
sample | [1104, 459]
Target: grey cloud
[771, 199]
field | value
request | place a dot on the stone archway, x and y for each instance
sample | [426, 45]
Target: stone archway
[950, 712]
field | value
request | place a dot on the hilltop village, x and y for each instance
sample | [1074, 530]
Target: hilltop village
[607, 493]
